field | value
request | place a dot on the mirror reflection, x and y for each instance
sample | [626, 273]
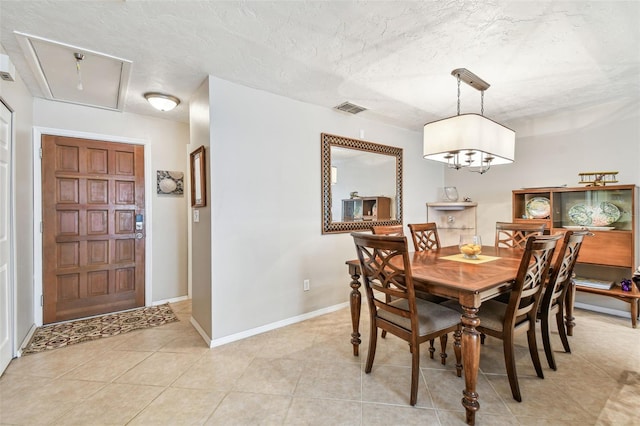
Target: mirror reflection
[362, 174]
[362, 184]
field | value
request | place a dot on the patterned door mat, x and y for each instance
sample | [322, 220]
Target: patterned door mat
[68, 333]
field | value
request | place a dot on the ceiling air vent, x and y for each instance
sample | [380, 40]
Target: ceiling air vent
[350, 108]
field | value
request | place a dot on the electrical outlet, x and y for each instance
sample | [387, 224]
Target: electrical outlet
[305, 285]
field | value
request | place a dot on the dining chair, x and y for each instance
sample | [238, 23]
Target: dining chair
[511, 234]
[425, 236]
[397, 230]
[387, 230]
[393, 306]
[554, 294]
[507, 320]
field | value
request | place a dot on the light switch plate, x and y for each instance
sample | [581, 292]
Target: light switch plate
[196, 216]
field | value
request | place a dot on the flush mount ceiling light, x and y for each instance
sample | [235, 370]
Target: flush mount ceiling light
[161, 101]
[469, 140]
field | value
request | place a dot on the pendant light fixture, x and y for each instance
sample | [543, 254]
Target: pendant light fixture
[469, 140]
[162, 101]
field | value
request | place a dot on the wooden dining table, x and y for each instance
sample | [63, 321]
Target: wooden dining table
[444, 272]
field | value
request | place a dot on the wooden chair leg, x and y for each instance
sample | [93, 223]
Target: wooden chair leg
[373, 339]
[415, 373]
[546, 341]
[432, 349]
[443, 349]
[562, 331]
[533, 349]
[457, 348]
[482, 337]
[510, 364]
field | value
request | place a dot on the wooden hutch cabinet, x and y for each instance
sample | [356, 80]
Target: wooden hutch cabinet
[610, 213]
[366, 208]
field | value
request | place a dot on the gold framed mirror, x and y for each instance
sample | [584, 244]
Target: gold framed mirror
[198, 178]
[361, 184]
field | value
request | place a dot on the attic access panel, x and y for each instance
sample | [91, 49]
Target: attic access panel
[104, 78]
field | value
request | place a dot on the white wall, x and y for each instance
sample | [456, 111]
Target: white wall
[168, 142]
[266, 204]
[200, 247]
[18, 98]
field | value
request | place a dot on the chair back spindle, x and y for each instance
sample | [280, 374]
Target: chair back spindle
[425, 236]
[512, 235]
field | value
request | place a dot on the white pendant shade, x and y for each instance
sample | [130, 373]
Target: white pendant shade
[477, 141]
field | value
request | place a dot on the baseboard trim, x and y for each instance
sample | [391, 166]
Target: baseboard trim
[602, 310]
[201, 331]
[26, 340]
[172, 300]
[278, 324]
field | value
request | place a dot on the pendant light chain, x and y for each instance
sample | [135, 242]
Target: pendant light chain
[482, 103]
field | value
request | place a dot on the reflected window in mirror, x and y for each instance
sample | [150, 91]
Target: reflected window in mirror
[361, 184]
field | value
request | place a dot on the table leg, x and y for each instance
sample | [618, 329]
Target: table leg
[355, 302]
[570, 297]
[470, 361]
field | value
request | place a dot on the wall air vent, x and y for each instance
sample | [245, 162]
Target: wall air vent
[350, 108]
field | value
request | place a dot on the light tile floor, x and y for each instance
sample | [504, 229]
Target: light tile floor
[306, 374]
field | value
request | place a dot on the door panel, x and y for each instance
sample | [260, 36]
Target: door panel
[93, 260]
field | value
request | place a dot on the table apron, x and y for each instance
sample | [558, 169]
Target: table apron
[471, 299]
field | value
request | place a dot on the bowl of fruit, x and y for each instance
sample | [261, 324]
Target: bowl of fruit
[470, 246]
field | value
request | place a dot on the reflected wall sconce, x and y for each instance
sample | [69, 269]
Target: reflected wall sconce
[79, 58]
[334, 175]
[162, 101]
[469, 140]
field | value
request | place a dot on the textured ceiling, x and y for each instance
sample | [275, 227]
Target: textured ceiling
[394, 58]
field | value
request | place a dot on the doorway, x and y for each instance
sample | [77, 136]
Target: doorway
[93, 227]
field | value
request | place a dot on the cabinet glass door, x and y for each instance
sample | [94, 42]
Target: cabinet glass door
[597, 209]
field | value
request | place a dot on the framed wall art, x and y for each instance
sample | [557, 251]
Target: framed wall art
[169, 182]
[198, 178]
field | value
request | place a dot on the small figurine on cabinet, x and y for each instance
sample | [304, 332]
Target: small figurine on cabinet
[598, 178]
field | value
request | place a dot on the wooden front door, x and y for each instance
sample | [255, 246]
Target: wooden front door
[92, 199]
